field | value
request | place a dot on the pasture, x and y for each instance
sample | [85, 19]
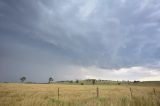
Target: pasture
[16, 94]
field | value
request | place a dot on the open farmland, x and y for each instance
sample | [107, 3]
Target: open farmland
[14, 94]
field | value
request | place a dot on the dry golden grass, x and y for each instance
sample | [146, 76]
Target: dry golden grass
[77, 95]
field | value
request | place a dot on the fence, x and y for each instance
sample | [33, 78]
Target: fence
[98, 94]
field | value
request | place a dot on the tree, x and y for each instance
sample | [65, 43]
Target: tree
[71, 81]
[77, 81]
[50, 79]
[23, 79]
[93, 81]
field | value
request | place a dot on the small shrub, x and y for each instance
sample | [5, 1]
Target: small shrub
[82, 83]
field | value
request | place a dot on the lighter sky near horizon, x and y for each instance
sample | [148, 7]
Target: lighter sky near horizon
[79, 39]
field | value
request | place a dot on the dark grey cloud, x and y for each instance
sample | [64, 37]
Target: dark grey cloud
[39, 38]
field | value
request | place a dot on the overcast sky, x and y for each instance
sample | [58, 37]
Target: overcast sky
[79, 39]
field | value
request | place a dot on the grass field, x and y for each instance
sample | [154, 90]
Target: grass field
[14, 94]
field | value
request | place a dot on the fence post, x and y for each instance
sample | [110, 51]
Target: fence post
[154, 91]
[58, 93]
[131, 92]
[97, 92]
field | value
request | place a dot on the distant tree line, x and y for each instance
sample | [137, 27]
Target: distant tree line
[86, 81]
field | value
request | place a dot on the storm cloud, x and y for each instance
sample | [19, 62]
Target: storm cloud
[62, 38]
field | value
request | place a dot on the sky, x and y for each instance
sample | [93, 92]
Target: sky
[79, 39]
